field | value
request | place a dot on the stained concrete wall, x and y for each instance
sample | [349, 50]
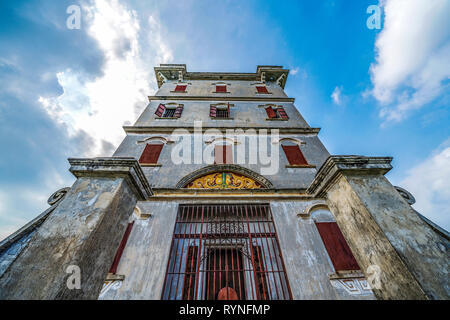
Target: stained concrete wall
[308, 266]
[242, 114]
[10, 254]
[384, 231]
[168, 175]
[207, 88]
[307, 262]
[85, 231]
[145, 257]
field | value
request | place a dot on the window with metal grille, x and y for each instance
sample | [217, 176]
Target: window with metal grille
[225, 252]
[222, 113]
[169, 113]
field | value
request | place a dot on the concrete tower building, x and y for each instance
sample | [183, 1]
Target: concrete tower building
[221, 190]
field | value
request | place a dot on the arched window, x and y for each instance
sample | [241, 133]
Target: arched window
[338, 250]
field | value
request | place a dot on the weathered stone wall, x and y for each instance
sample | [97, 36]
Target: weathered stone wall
[243, 114]
[168, 175]
[307, 262]
[308, 266]
[145, 257]
[73, 235]
[10, 254]
[207, 88]
[384, 231]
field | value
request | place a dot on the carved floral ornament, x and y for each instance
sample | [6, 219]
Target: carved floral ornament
[224, 180]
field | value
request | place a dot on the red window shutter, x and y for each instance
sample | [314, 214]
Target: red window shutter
[282, 112]
[119, 251]
[212, 111]
[294, 155]
[271, 113]
[223, 154]
[151, 154]
[340, 254]
[221, 88]
[160, 110]
[178, 111]
[261, 89]
[180, 88]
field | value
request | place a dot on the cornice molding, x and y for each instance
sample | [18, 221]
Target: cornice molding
[114, 167]
[190, 129]
[221, 98]
[170, 194]
[165, 72]
[335, 166]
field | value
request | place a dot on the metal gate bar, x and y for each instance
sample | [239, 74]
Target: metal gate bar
[225, 251]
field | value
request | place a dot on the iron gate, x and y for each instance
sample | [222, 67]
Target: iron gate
[225, 251]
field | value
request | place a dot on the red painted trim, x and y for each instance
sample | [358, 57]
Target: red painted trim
[119, 251]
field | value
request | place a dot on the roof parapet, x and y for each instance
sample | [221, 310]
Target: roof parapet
[166, 72]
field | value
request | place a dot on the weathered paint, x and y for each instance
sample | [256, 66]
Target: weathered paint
[383, 230]
[308, 266]
[83, 231]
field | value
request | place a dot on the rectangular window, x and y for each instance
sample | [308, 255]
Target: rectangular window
[221, 88]
[225, 252]
[119, 251]
[276, 113]
[222, 113]
[338, 250]
[169, 113]
[151, 154]
[223, 154]
[180, 88]
[261, 89]
[294, 155]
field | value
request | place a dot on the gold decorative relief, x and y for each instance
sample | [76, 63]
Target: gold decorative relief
[224, 180]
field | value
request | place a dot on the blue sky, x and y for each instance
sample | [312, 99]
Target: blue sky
[67, 93]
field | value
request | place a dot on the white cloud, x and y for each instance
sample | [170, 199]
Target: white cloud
[429, 182]
[100, 107]
[337, 95]
[412, 56]
[298, 72]
[294, 71]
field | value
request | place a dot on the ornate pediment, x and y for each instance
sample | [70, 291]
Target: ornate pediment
[224, 180]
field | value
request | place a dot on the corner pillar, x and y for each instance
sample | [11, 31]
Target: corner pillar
[82, 234]
[400, 254]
